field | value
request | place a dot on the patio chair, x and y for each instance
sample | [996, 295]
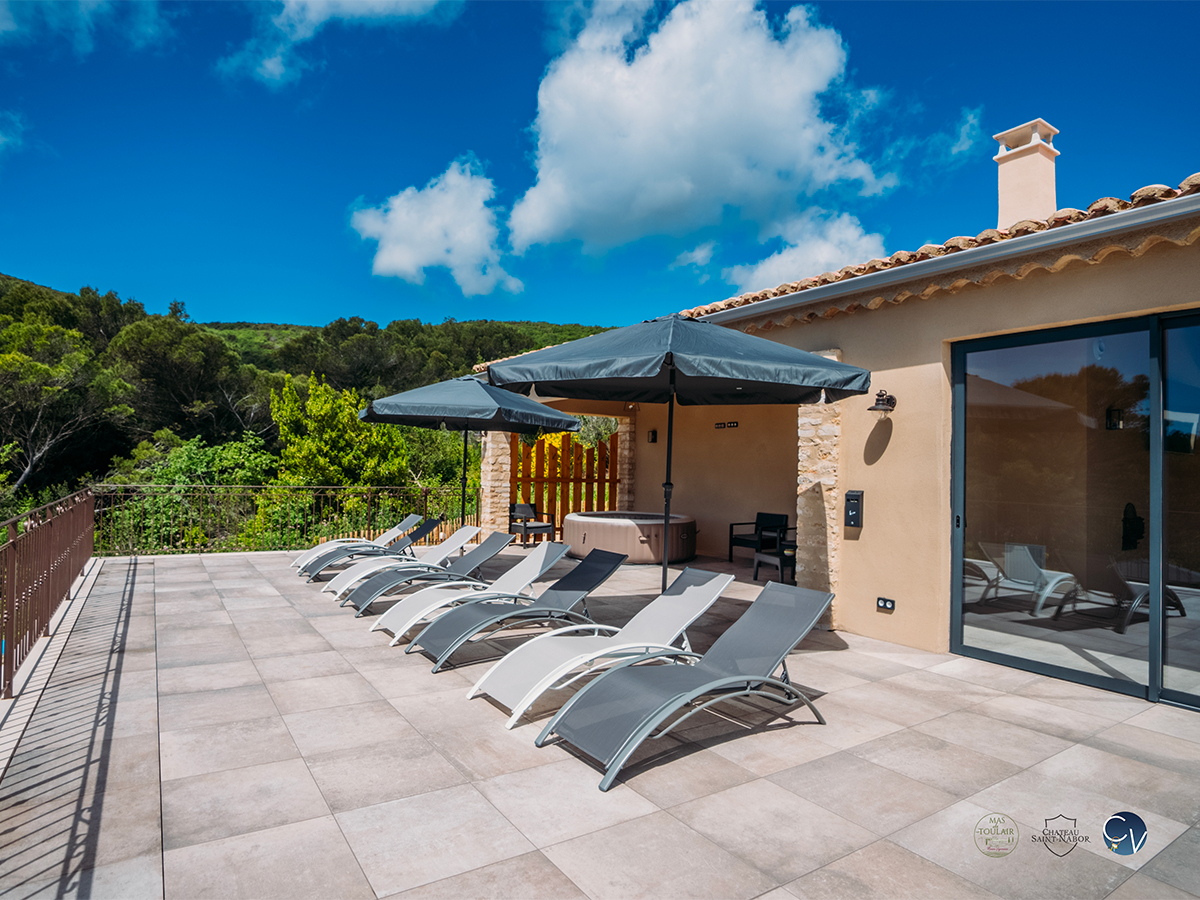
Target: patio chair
[435, 556]
[1017, 568]
[434, 600]
[341, 554]
[390, 581]
[546, 662]
[610, 717]
[769, 529]
[1102, 575]
[524, 519]
[478, 621]
[392, 534]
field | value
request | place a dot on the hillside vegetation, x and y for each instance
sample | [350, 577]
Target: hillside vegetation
[92, 386]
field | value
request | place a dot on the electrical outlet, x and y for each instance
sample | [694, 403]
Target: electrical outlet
[883, 604]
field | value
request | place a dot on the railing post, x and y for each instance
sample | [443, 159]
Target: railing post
[10, 607]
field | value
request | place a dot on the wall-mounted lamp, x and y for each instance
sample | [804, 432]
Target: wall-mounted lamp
[885, 405]
[632, 407]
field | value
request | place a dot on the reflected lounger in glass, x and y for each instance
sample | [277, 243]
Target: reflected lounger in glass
[1016, 568]
[546, 662]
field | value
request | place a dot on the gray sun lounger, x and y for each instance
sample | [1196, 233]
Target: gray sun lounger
[338, 554]
[388, 537]
[462, 569]
[447, 633]
[610, 717]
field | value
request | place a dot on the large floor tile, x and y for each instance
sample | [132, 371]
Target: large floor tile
[1142, 887]
[322, 692]
[340, 728]
[655, 856]
[214, 707]
[391, 770]
[207, 677]
[405, 843]
[1177, 864]
[1179, 723]
[303, 665]
[866, 794]
[307, 860]
[885, 871]
[945, 766]
[533, 800]
[530, 877]
[773, 829]
[669, 774]
[1038, 715]
[994, 737]
[196, 751]
[976, 671]
[235, 801]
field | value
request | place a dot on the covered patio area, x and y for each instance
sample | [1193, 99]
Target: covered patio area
[215, 727]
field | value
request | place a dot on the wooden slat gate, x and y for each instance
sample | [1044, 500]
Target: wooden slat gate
[557, 482]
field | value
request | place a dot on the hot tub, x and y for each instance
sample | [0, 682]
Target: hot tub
[636, 534]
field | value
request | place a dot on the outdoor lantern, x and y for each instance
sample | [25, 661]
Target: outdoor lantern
[884, 405]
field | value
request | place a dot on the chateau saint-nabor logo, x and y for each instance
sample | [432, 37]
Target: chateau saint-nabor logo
[1060, 836]
[1124, 833]
[996, 835]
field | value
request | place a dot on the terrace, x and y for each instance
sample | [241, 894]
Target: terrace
[211, 726]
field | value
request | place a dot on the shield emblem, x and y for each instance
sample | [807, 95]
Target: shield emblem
[1054, 843]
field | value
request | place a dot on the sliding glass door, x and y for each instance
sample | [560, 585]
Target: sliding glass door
[1181, 510]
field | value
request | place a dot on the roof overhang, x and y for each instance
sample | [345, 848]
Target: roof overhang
[1113, 224]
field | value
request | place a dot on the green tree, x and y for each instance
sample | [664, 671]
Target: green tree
[326, 443]
[51, 392]
[167, 459]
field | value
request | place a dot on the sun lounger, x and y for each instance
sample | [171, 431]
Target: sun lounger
[1102, 580]
[610, 717]
[449, 631]
[342, 553]
[546, 662]
[410, 611]
[392, 534]
[460, 571]
[437, 555]
[1016, 568]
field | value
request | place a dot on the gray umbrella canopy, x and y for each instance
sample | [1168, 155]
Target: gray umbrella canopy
[676, 359]
[467, 404]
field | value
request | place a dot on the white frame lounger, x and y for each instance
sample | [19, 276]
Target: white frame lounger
[536, 666]
[415, 608]
[434, 557]
[382, 541]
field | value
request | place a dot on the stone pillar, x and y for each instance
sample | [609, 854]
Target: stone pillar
[494, 484]
[818, 532]
[626, 445]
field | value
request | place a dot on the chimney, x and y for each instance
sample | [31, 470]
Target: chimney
[1026, 172]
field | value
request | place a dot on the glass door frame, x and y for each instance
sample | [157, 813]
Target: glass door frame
[1153, 690]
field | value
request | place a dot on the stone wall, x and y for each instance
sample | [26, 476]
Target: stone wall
[626, 443]
[818, 529]
[494, 481]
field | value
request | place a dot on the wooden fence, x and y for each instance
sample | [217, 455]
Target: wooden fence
[45, 551]
[575, 479]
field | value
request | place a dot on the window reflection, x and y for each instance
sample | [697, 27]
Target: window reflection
[1057, 490]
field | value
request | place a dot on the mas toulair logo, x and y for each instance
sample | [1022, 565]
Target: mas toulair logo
[1124, 833]
[996, 835]
[1060, 836]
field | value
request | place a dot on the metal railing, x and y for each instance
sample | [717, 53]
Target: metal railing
[134, 519]
[45, 551]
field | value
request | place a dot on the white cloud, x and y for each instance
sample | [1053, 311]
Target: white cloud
[447, 223]
[271, 56]
[699, 256]
[142, 23]
[814, 242]
[12, 129]
[969, 132]
[646, 129]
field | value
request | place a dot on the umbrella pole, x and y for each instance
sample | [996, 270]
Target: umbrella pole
[463, 507]
[667, 485]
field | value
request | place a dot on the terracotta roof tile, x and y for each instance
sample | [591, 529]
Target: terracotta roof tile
[1154, 193]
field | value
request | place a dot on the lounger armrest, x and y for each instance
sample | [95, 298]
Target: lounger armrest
[567, 629]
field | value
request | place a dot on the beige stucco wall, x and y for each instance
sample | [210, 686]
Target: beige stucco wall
[720, 475]
[903, 550]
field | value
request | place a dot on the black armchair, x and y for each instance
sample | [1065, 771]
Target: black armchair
[523, 519]
[769, 530]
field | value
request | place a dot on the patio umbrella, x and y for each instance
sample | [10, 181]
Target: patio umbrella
[679, 360]
[467, 404]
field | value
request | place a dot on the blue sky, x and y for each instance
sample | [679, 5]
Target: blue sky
[300, 161]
